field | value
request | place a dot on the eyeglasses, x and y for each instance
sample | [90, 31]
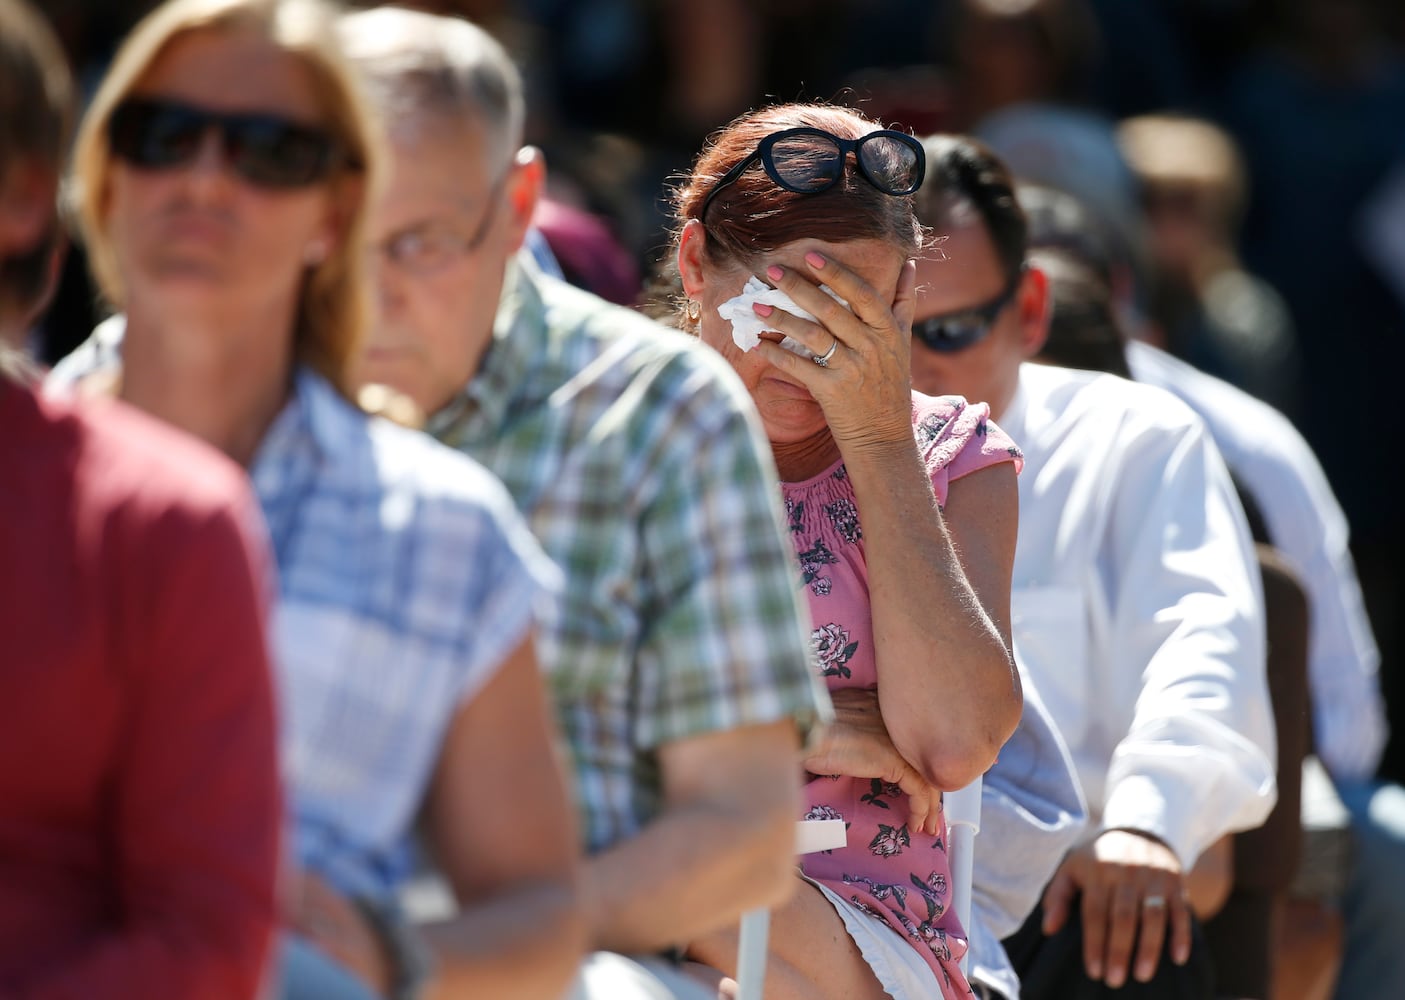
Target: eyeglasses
[426, 248]
[266, 150]
[809, 160]
[956, 331]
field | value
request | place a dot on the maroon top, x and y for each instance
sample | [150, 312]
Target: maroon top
[139, 798]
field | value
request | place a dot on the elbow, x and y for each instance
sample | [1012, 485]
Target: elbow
[970, 738]
[952, 771]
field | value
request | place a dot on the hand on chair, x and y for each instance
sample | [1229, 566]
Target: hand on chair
[856, 744]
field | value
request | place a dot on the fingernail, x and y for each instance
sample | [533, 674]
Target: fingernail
[1144, 971]
[1116, 977]
[814, 260]
[1095, 970]
[774, 273]
[762, 309]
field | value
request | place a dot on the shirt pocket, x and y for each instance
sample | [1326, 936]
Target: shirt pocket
[1049, 626]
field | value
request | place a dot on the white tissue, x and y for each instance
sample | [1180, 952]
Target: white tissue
[747, 327]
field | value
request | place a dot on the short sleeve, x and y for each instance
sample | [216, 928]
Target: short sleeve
[957, 438]
[516, 586]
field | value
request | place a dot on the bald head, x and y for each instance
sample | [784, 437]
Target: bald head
[422, 70]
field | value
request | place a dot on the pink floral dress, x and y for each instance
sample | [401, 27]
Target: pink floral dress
[890, 872]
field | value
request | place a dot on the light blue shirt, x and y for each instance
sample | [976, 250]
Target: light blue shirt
[406, 577]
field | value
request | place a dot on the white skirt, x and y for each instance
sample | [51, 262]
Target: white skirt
[900, 970]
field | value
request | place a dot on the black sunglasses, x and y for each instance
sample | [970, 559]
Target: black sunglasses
[956, 331]
[809, 160]
[266, 150]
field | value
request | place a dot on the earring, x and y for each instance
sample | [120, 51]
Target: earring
[693, 310]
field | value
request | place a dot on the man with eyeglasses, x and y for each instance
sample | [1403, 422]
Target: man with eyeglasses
[1136, 614]
[679, 659]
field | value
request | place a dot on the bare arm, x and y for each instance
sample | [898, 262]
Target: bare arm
[503, 831]
[939, 583]
[723, 844]
[940, 591]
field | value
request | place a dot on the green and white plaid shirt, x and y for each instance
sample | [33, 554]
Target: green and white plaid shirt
[640, 464]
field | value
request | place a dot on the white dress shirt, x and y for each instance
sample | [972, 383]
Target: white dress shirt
[1136, 608]
[1032, 813]
[1277, 467]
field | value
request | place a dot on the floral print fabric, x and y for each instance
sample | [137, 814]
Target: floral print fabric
[895, 875]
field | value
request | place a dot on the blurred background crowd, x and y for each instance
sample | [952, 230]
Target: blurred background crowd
[1245, 157]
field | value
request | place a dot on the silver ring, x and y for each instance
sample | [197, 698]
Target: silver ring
[1154, 902]
[823, 359]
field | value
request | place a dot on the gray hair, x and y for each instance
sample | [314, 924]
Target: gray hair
[416, 63]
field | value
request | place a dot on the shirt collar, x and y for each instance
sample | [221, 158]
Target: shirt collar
[519, 340]
[315, 414]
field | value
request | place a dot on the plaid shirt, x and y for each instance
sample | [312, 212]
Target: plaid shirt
[406, 577]
[639, 462]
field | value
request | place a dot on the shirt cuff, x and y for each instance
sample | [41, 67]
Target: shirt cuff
[1138, 803]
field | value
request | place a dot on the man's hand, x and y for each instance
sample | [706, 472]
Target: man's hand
[857, 745]
[334, 924]
[1129, 881]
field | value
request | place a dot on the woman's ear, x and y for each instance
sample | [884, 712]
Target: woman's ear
[690, 249]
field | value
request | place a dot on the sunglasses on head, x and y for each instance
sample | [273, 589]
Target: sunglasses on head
[809, 160]
[264, 149]
[956, 331]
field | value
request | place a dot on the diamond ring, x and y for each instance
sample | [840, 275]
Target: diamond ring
[823, 359]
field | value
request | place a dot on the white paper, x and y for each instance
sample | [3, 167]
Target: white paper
[747, 327]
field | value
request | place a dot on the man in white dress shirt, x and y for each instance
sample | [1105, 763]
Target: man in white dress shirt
[1137, 611]
[1302, 519]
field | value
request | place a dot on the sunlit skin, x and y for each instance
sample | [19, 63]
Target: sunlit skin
[800, 432]
[211, 265]
[964, 271]
[434, 325]
[199, 234]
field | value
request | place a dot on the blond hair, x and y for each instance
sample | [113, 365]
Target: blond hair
[334, 309]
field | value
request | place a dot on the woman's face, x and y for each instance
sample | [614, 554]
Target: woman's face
[787, 409]
[198, 239]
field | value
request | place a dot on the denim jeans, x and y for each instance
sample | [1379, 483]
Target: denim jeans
[1373, 965]
[307, 973]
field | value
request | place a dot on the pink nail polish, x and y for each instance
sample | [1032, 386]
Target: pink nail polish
[774, 273]
[814, 260]
[762, 309]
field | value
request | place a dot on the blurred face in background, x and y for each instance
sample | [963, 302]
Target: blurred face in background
[456, 210]
[198, 234]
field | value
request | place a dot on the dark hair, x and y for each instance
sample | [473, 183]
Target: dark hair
[36, 108]
[754, 215]
[1083, 329]
[36, 91]
[961, 172]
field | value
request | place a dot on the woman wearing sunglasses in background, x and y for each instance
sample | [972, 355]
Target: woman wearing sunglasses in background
[222, 176]
[902, 509]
